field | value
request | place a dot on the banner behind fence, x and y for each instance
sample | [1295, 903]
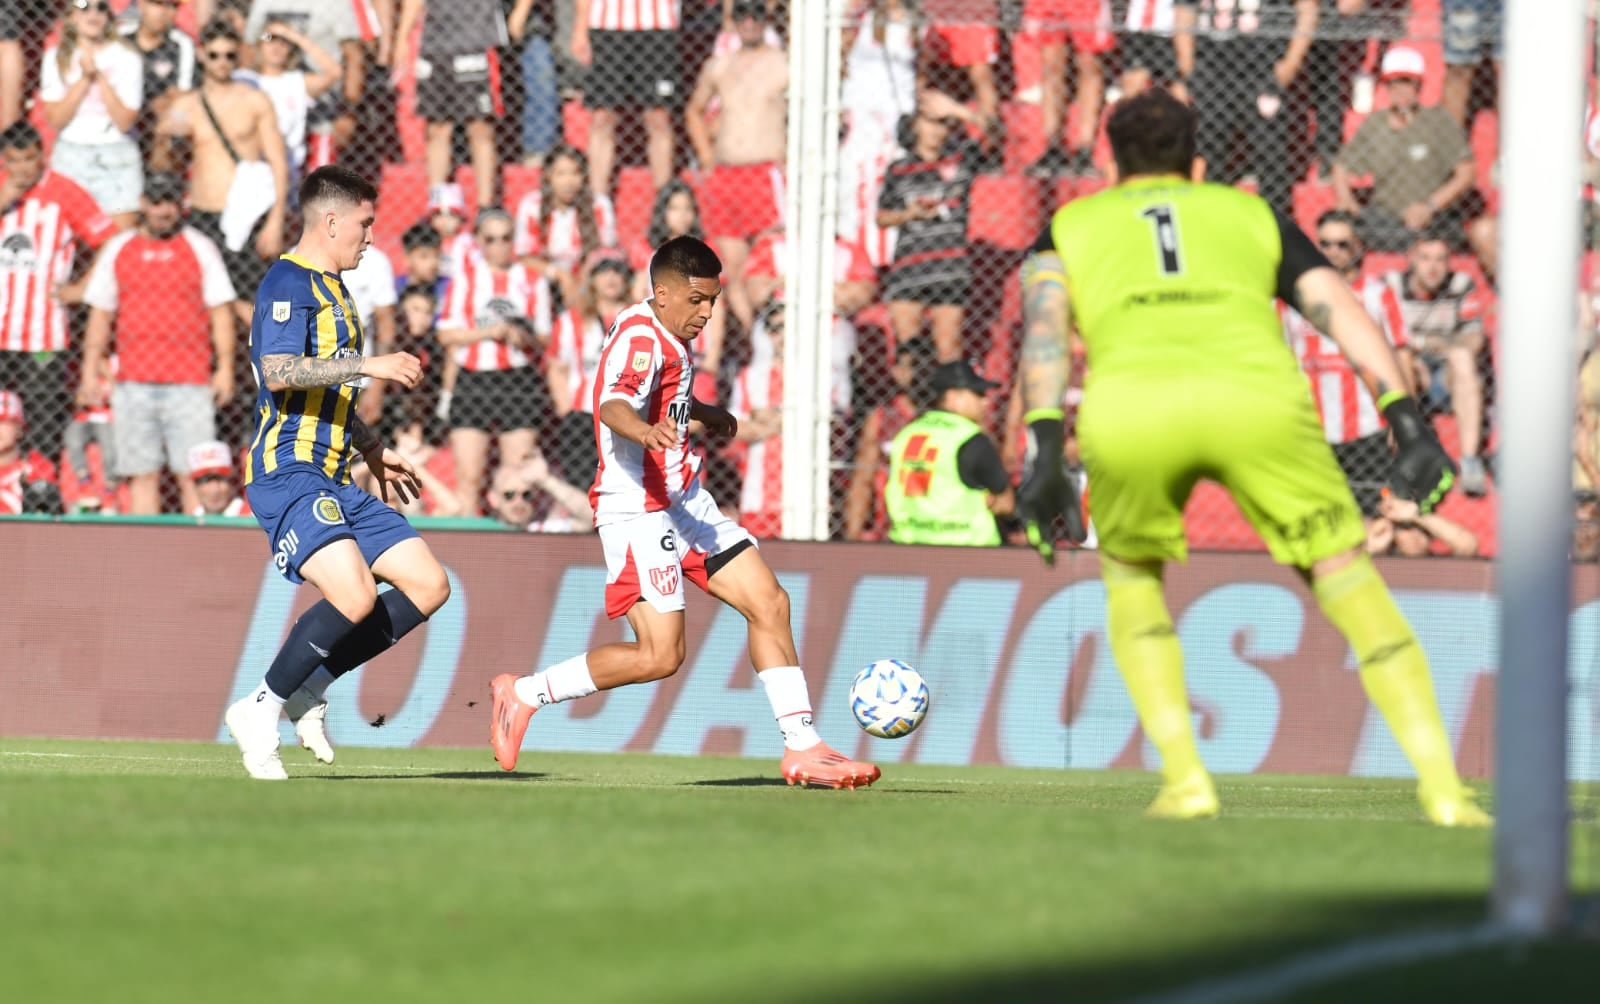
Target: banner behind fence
[103, 639]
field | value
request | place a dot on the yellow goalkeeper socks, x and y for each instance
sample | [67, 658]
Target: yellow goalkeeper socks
[1151, 661]
[1394, 669]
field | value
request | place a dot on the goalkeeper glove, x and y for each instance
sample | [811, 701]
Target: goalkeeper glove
[1422, 471]
[1047, 490]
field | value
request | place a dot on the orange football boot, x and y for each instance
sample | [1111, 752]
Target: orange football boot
[826, 768]
[509, 722]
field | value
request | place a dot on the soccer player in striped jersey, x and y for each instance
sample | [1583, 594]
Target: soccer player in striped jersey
[658, 526]
[306, 352]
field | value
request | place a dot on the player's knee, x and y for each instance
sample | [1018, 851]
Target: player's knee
[659, 661]
[356, 600]
[771, 609]
[431, 592]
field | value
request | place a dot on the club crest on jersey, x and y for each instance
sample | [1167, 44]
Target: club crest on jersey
[641, 361]
[665, 579]
[280, 310]
[326, 509]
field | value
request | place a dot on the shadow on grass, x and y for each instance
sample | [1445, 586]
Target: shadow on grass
[736, 782]
[442, 775]
[1283, 929]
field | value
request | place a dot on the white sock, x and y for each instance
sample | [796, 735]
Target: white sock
[318, 683]
[256, 695]
[561, 682]
[791, 705]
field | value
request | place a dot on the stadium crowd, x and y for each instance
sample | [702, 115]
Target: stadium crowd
[531, 153]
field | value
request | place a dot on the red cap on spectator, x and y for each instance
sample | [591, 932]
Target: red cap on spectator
[11, 407]
[211, 457]
[447, 198]
[1401, 61]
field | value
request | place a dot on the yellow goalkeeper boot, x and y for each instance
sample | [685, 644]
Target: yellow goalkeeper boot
[1454, 807]
[1194, 797]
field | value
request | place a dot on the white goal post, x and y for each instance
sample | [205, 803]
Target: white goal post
[1541, 114]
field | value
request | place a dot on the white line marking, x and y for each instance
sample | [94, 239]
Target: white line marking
[1281, 981]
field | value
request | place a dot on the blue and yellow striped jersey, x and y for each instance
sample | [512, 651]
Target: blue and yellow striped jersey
[303, 311]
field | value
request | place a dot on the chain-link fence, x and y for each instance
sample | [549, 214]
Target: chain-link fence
[528, 163]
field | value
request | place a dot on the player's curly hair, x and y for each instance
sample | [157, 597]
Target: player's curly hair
[1152, 133]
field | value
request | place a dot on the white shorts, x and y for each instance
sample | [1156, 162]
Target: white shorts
[649, 556]
[111, 172]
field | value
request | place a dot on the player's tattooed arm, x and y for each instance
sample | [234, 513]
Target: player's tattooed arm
[362, 437]
[1323, 298]
[287, 372]
[1046, 315]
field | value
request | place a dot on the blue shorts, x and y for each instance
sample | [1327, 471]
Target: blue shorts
[303, 510]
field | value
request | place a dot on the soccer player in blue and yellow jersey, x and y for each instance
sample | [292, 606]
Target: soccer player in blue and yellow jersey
[1171, 283]
[306, 352]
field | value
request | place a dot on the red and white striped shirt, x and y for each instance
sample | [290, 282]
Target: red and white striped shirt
[761, 495]
[651, 369]
[1348, 411]
[481, 297]
[1150, 16]
[37, 234]
[563, 242]
[576, 345]
[634, 15]
[17, 475]
[367, 23]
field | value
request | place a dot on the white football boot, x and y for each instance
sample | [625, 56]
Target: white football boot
[254, 724]
[309, 715]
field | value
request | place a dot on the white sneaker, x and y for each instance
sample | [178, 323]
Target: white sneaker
[309, 716]
[254, 724]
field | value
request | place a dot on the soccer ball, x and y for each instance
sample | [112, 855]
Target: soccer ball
[889, 699]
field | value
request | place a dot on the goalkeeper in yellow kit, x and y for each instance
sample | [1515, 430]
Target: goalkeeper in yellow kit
[1171, 285]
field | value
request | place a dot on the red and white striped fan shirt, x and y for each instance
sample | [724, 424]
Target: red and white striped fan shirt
[651, 369]
[481, 296]
[1151, 16]
[761, 496]
[17, 475]
[634, 15]
[1348, 411]
[576, 345]
[37, 234]
[562, 243]
[850, 260]
[367, 23]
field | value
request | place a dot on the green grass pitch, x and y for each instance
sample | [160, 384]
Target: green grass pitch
[138, 872]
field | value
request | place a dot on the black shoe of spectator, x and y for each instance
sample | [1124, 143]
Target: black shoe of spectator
[1081, 165]
[1053, 164]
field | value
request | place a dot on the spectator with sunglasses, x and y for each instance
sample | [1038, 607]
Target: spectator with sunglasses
[240, 167]
[496, 325]
[91, 86]
[1350, 419]
[331, 25]
[281, 53]
[528, 497]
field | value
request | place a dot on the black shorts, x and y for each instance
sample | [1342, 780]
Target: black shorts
[499, 400]
[461, 88]
[1151, 53]
[41, 381]
[634, 69]
[940, 283]
[245, 267]
[1365, 463]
